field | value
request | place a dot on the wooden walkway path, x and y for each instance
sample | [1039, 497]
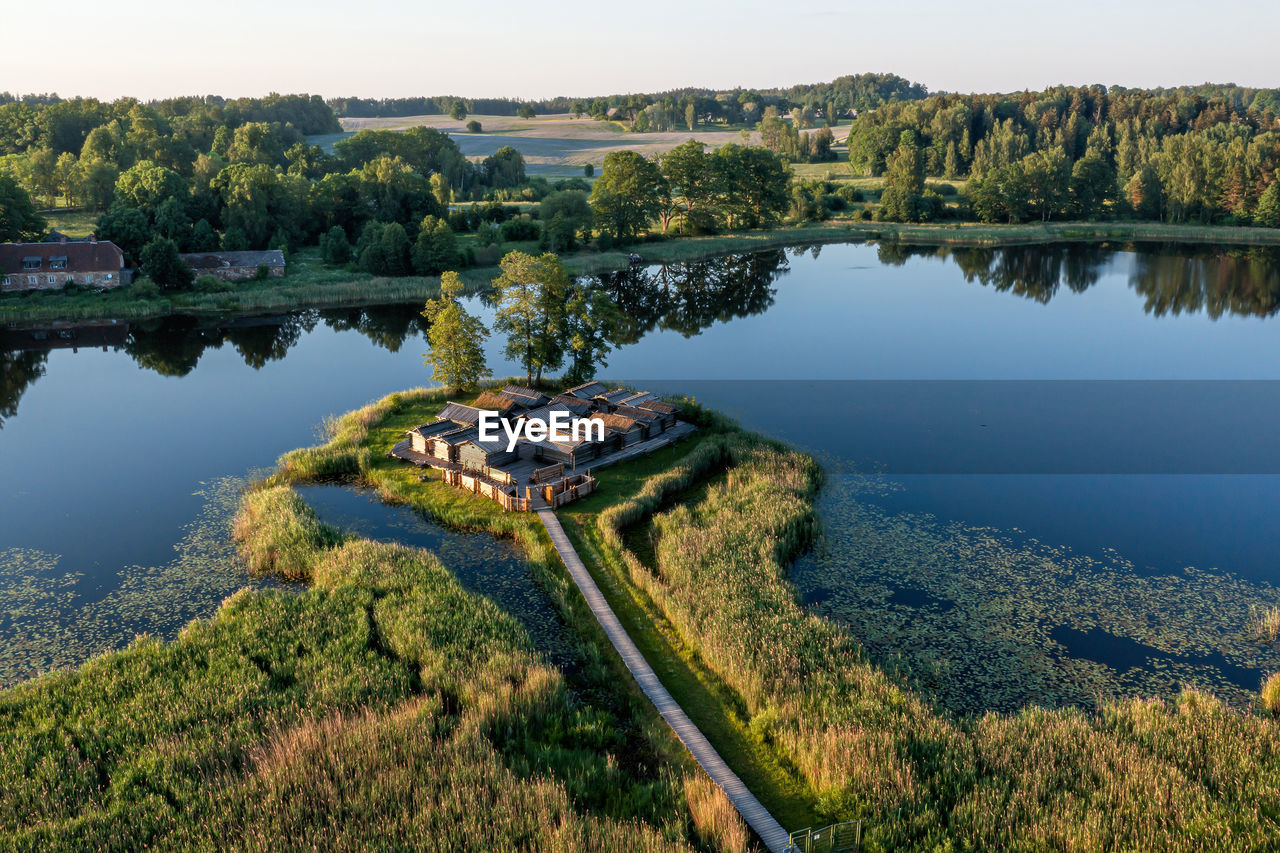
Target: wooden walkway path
[759, 819]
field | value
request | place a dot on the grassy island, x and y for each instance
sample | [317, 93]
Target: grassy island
[384, 692]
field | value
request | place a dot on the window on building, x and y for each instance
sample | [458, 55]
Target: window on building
[6, 281]
[31, 263]
[57, 263]
[33, 279]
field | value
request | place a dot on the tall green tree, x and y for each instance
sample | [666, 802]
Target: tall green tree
[456, 339]
[565, 215]
[161, 261]
[436, 248]
[19, 222]
[532, 294]
[629, 193]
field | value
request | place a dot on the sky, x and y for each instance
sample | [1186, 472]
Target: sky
[397, 48]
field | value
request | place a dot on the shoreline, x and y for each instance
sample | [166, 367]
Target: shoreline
[301, 291]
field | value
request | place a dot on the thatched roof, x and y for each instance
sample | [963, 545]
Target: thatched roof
[495, 402]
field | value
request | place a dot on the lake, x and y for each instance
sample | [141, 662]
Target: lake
[1051, 471]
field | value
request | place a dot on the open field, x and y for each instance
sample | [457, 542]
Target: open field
[551, 144]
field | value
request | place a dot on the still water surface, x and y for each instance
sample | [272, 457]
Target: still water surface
[1073, 445]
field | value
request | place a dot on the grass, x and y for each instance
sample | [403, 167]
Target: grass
[1137, 774]
[381, 706]
[311, 284]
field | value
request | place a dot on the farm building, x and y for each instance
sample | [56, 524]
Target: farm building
[236, 266]
[577, 406]
[52, 266]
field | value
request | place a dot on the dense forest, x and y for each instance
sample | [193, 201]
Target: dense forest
[661, 111]
[1204, 154]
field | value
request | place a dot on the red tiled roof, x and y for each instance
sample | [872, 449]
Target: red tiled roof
[102, 256]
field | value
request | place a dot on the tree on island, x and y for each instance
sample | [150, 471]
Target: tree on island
[532, 296]
[456, 339]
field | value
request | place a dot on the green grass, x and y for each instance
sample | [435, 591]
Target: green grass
[381, 705]
[72, 222]
[311, 284]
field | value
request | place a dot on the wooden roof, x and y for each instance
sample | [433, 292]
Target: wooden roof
[526, 396]
[658, 406]
[460, 413]
[586, 390]
[616, 422]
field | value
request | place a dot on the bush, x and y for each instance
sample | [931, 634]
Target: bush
[850, 193]
[514, 230]
[144, 288]
[207, 283]
[474, 126]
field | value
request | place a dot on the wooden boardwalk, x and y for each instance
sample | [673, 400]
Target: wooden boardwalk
[759, 819]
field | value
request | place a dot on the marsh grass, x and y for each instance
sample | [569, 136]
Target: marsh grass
[1265, 623]
[1137, 774]
[383, 706]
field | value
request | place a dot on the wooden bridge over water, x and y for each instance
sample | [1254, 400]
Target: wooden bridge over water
[755, 814]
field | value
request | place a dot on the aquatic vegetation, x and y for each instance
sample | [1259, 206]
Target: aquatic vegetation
[1010, 621]
[1266, 623]
[1270, 694]
[49, 621]
[1134, 774]
[384, 693]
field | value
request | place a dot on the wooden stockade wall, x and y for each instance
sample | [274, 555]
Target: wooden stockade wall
[555, 494]
[548, 473]
[471, 482]
[568, 489]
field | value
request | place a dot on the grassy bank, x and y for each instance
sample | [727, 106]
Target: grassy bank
[310, 284]
[382, 705]
[1139, 774]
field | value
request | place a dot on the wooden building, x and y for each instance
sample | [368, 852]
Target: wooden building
[654, 424]
[477, 454]
[586, 391]
[665, 411]
[621, 431]
[526, 397]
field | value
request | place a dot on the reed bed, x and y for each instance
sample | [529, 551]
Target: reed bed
[1265, 623]
[1139, 774]
[383, 706]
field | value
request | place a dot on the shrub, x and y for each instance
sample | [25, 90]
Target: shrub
[144, 288]
[473, 126]
[207, 283]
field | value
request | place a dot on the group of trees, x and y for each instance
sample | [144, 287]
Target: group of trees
[677, 109]
[547, 318]
[735, 186]
[1206, 154]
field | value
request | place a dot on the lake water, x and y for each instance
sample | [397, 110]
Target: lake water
[1052, 471]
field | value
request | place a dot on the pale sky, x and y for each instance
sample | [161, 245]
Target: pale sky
[396, 48]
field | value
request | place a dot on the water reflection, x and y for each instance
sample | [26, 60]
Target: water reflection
[686, 298]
